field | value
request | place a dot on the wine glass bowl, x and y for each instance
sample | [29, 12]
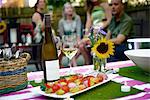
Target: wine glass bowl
[70, 52]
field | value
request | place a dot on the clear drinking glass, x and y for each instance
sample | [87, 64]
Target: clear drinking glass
[69, 47]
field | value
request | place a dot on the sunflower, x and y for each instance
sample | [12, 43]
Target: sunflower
[103, 48]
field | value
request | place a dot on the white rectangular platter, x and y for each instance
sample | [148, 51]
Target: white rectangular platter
[66, 95]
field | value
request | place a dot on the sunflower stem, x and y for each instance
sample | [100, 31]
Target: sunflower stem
[103, 65]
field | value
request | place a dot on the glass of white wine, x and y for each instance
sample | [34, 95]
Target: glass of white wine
[69, 48]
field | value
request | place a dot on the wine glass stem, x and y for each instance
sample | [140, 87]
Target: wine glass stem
[71, 71]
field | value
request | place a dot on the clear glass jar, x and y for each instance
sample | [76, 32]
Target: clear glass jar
[99, 64]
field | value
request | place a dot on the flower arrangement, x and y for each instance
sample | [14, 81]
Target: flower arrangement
[101, 48]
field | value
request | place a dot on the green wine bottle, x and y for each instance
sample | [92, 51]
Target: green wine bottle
[49, 53]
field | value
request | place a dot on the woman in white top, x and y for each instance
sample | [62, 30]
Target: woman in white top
[70, 23]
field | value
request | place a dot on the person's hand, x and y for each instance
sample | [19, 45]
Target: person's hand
[86, 31]
[84, 41]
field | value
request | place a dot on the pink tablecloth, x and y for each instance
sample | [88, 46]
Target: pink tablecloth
[81, 69]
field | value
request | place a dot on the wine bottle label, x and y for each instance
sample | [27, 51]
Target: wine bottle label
[52, 70]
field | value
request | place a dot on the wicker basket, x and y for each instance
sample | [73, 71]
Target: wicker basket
[13, 74]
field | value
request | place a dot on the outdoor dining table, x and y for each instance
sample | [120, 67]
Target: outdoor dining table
[137, 41]
[128, 72]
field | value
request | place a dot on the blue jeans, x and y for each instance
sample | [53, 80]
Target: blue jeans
[119, 53]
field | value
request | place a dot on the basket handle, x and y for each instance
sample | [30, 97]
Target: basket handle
[26, 56]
